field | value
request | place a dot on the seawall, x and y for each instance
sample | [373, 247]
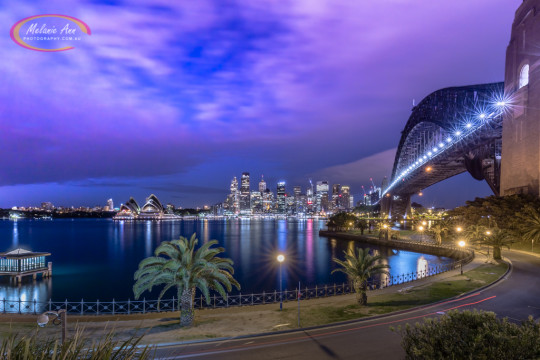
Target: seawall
[439, 250]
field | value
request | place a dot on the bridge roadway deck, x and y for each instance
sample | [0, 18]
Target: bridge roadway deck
[515, 297]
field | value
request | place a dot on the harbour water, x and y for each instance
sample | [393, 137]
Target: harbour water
[96, 258]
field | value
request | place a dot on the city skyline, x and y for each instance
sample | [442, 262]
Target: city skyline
[260, 86]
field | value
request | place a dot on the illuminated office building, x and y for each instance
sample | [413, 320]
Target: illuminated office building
[281, 204]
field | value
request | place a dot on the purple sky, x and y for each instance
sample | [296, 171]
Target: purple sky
[177, 97]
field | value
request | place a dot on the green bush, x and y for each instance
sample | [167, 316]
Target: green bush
[33, 347]
[471, 335]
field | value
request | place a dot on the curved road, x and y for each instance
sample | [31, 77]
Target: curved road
[515, 297]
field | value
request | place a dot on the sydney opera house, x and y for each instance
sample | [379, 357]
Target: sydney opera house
[152, 210]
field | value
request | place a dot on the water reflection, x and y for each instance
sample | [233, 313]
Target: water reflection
[95, 259]
[15, 242]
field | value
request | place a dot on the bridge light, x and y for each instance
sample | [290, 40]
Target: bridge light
[482, 116]
[468, 126]
[429, 168]
[501, 103]
[430, 153]
[449, 139]
[441, 145]
[424, 157]
[435, 149]
[458, 133]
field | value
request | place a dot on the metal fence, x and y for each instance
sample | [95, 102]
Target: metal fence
[147, 306]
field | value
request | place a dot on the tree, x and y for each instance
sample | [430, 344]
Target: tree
[500, 210]
[177, 264]
[530, 225]
[438, 230]
[341, 221]
[471, 335]
[362, 225]
[476, 233]
[498, 238]
[359, 268]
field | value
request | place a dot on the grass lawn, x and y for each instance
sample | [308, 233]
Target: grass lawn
[386, 303]
[525, 246]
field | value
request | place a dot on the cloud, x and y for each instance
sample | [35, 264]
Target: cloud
[376, 166]
[163, 87]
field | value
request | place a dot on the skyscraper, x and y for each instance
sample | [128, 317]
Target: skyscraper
[262, 185]
[336, 194]
[110, 204]
[244, 194]
[282, 207]
[322, 196]
[234, 198]
[309, 198]
[345, 199]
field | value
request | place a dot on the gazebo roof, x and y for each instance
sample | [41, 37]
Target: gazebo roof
[20, 253]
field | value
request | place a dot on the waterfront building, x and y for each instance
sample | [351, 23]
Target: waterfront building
[151, 210]
[245, 194]
[281, 204]
[20, 262]
[110, 205]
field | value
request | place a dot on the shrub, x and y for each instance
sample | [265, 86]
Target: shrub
[33, 347]
[471, 335]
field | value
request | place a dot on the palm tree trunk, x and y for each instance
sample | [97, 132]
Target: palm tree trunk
[497, 253]
[186, 307]
[361, 295]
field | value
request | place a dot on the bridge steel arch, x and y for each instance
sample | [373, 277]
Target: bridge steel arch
[450, 131]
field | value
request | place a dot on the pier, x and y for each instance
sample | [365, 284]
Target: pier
[20, 262]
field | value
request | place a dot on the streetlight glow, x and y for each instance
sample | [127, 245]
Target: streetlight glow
[461, 243]
[280, 258]
[459, 229]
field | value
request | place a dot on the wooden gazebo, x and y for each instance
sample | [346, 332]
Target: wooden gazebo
[20, 262]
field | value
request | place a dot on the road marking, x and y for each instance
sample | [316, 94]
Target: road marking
[309, 337]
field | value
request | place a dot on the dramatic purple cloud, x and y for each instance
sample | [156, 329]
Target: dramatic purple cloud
[192, 93]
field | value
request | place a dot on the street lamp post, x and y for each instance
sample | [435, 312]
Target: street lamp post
[421, 229]
[280, 259]
[60, 317]
[462, 244]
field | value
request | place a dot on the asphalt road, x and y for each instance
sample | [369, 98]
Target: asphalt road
[516, 297]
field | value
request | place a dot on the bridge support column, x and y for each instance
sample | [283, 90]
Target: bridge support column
[520, 168]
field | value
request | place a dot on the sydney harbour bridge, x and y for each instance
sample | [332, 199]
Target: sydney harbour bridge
[451, 131]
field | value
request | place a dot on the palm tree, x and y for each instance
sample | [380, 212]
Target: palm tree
[359, 268]
[177, 264]
[499, 238]
[476, 233]
[531, 225]
[438, 231]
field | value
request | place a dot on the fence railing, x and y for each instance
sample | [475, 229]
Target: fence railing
[148, 306]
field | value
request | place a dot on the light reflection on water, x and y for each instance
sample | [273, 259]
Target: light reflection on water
[96, 258]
